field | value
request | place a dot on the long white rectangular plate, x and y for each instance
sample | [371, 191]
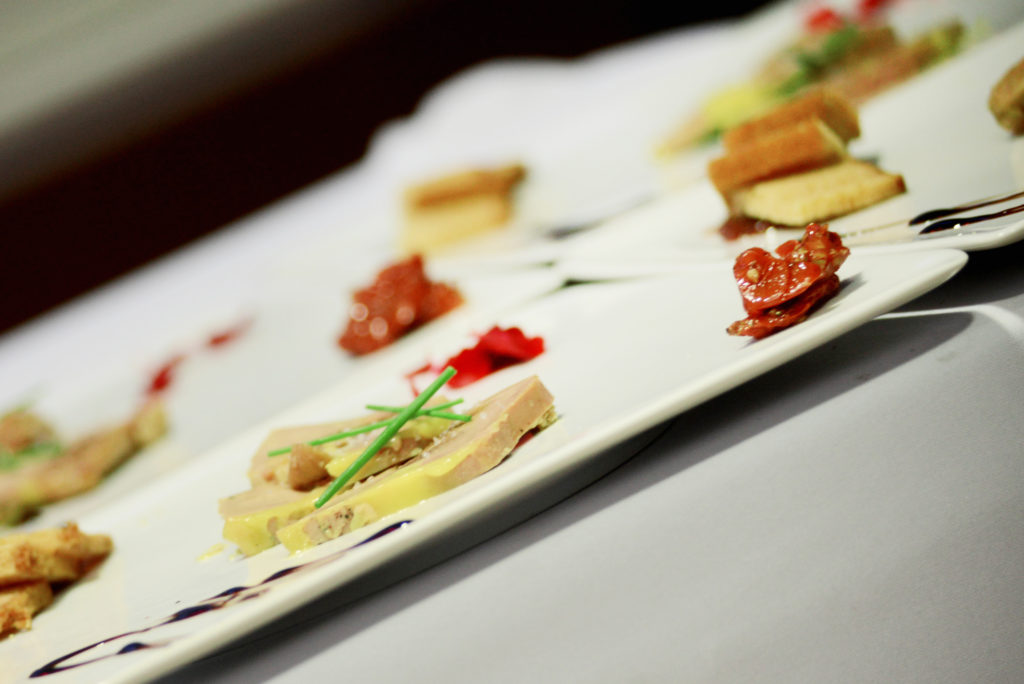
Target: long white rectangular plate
[620, 358]
[935, 130]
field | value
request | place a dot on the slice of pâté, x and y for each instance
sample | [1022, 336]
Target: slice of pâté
[285, 486]
[460, 454]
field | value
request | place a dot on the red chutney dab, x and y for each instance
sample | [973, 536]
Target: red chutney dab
[781, 291]
[400, 299]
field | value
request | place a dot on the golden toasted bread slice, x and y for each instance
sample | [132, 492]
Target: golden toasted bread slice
[818, 195]
[825, 104]
[456, 207]
[464, 184]
[804, 145]
[1007, 99]
[20, 602]
[57, 555]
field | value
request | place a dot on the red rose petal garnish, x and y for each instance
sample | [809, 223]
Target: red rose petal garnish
[163, 378]
[823, 20]
[496, 349]
[226, 336]
[164, 375]
[867, 9]
[512, 343]
[470, 365]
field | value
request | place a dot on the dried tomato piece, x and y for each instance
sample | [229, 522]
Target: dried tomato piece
[439, 300]
[818, 245]
[400, 299]
[781, 291]
[792, 312]
[766, 281]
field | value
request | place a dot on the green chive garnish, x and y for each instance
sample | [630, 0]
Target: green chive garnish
[334, 438]
[433, 412]
[397, 422]
[13, 459]
[399, 409]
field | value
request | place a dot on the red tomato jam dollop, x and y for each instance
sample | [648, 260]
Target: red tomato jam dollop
[401, 299]
[781, 291]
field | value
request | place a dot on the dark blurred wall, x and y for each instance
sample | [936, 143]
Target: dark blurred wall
[100, 219]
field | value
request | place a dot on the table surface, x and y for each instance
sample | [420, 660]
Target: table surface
[853, 515]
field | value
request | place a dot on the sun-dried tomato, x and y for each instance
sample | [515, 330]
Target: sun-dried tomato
[400, 299]
[781, 291]
[788, 314]
[766, 281]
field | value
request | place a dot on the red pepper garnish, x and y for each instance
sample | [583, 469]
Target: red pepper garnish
[781, 291]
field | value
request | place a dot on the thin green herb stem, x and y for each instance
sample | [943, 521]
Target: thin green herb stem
[401, 419]
[335, 437]
[12, 459]
[433, 412]
[397, 409]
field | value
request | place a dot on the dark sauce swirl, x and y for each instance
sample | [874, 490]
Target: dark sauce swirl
[224, 599]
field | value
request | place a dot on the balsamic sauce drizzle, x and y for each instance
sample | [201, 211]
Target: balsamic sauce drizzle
[224, 599]
[950, 223]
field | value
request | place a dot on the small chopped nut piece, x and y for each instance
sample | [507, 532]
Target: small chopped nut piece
[306, 467]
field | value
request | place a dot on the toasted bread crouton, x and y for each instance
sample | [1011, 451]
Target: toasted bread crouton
[807, 144]
[834, 110]
[1007, 99]
[818, 195]
[20, 602]
[56, 555]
